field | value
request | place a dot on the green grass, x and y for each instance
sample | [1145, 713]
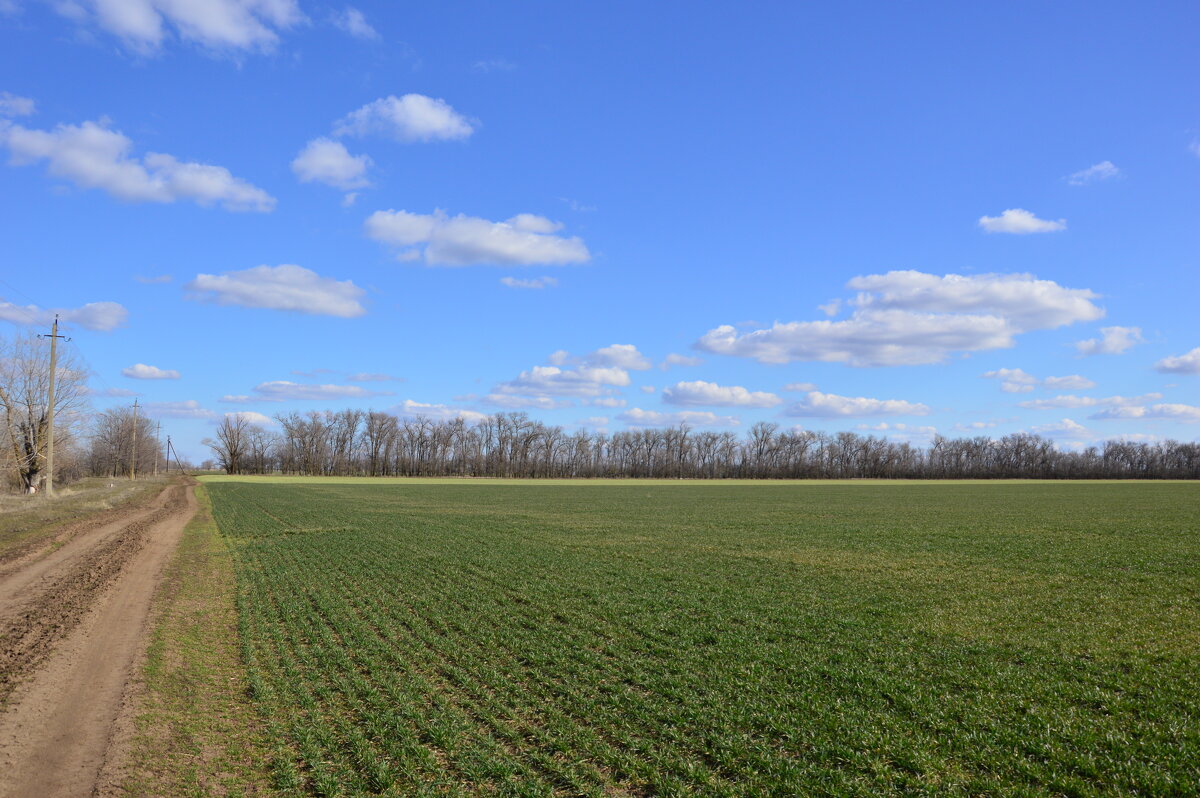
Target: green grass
[196, 730]
[461, 637]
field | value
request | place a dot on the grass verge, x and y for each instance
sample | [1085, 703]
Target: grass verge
[196, 731]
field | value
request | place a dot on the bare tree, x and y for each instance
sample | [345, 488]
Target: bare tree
[24, 397]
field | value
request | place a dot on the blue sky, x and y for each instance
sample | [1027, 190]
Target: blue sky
[836, 216]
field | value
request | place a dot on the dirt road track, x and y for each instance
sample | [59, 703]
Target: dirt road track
[73, 621]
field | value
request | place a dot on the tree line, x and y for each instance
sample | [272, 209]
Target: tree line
[372, 443]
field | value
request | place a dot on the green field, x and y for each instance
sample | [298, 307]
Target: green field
[454, 637]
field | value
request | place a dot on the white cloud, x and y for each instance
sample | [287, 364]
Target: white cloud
[413, 117]
[679, 360]
[467, 240]
[250, 417]
[1019, 381]
[831, 308]
[625, 356]
[352, 21]
[369, 377]
[443, 412]
[902, 432]
[1013, 380]
[1113, 341]
[1165, 411]
[140, 371]
[286, 390]
[215, 24]
[555, 381]
[285, 287]
[911, 318]
[110, 392]
[1070, 382]
[1072, 401]
[975, 426]
[100, 316]
[535, 283]
[493, 65]
[12, 105]
[699, 392]
[187, 409]
[1180, 364]
[593, 421]
[636, 417]
[1105, 170]
[828, 405]
[1066, 428]
[93, 156]
[648, 389]
[800, 387]
[327, 161]
[605, 401]
[525, 402]
[1021, 222]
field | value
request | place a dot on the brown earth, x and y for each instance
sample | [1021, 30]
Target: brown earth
[73, 621]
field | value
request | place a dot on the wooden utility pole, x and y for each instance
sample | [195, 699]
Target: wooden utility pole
[53, 336]
[133, 453]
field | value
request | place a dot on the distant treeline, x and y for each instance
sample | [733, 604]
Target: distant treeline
[353, 442]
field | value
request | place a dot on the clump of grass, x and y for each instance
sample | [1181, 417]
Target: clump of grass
[197, 729]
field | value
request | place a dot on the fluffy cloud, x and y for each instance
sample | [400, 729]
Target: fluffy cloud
[828, 405]
[12, 105]
[1112, 341]
[1019, 381]
[1021, 222]
[911, 318]
[352, 21]
[1069, 382]
[1072, 401]
[1165, 411]
[285, 287]
[286, 390]
[700, 392]
[189, 408]
[413, 117]
[441, 412]
[1065, 428]
[367, 377]
[555, 381]
[975, 426]
[250, 417]
[327, 161]
[535, 283]
[679, 360]
[1180, 364]
[1013, 380]
[636, 417]
[140, 371]
[800, 387]
[1105, 170]
[592, 377]
[93, 156]
[215, 24]
[523, 240]
[100, 316]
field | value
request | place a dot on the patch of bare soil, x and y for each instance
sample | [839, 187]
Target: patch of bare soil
[73, 621]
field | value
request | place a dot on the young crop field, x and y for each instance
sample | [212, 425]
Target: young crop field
[464, 638]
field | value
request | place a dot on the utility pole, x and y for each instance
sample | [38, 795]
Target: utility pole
[133, 454]
[157, 444]
[53, 336]
[168, 455]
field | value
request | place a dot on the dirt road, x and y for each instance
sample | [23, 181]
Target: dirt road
[73, 621]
